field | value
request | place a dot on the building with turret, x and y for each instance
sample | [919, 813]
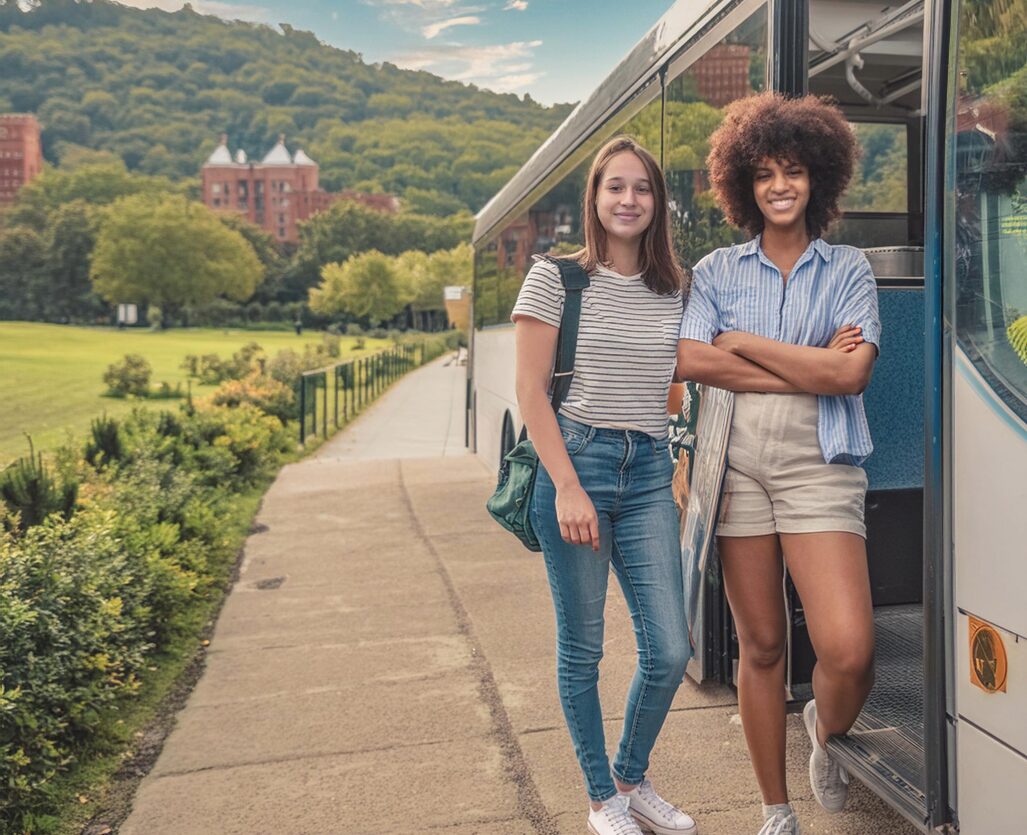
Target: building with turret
[275, 193]
[21, 153]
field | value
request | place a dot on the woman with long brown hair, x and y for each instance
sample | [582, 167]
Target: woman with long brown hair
[603, 491]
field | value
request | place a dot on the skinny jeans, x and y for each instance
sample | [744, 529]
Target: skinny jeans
[627, 475]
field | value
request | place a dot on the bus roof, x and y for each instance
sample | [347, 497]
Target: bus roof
[626, 79]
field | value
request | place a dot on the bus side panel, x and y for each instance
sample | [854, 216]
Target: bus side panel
[494, 389]
[991, 785]
[989, 503]
[1000, 713]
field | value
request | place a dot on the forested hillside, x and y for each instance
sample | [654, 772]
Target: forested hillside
[156, 89]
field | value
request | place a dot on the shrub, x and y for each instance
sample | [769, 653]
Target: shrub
[266, 393]
[211, 370]
[31, 493]
[104, 445]
[359, 343]
[131, 376]
[332, 345]
[354, 329]
[378, 333]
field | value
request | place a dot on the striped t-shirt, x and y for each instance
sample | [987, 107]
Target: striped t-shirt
[627, 346]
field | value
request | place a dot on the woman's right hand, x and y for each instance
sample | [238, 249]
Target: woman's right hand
[846, 338]
[576, 514]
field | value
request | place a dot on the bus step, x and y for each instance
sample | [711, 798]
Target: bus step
[885, 748]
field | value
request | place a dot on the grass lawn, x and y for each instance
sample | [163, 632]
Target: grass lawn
[51, 375]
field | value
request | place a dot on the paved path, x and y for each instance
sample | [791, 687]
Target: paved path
[385, 665]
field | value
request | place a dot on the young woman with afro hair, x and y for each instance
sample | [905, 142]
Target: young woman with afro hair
[790, 323]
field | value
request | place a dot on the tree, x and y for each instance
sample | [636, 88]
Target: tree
[70, 238]
[171, 252]
[22, 272]
[367, 286]
[348, 228]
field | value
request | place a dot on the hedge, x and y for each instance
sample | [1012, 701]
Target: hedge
[86, 601]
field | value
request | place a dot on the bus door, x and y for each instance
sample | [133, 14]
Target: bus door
[871, 61]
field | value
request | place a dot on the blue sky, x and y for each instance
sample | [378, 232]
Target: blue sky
[556, 50]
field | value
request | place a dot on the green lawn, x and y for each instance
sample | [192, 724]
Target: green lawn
[51, 375]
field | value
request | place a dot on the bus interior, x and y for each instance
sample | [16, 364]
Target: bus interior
[869, 58]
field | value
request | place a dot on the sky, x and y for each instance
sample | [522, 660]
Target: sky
[554, 50]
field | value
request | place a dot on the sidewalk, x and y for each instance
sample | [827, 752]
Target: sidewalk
[385, 665]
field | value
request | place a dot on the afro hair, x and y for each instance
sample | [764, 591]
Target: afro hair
[810, 130]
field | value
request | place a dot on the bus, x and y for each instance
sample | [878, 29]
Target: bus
[936, 92]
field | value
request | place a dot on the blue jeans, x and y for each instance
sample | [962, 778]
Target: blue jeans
[627, 476]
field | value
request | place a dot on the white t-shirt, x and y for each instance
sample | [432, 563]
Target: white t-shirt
[627, 346]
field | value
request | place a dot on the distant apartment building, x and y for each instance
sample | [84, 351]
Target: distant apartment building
[21, 153]
[722, 74]
[277, 192]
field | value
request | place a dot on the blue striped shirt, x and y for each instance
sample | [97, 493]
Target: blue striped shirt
[739, 289]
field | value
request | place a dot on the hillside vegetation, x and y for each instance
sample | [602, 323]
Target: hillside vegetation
[156, 89]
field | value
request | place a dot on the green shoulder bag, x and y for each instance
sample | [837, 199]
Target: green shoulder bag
[510, 504]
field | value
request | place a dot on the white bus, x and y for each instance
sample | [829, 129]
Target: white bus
[937, 93]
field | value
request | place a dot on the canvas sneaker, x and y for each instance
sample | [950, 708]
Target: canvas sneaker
[655, 814]
[781, 824]
[829, 781]
[612, 818]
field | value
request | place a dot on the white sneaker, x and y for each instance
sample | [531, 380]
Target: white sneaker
[829, 781]
[780, 824]
[657, 815]
[612, 818]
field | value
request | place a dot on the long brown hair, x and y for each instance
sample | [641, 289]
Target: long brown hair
[661, 271]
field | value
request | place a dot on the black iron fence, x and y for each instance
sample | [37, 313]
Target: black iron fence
[344, 389]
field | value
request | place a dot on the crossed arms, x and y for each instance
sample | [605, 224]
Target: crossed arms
[740, 361]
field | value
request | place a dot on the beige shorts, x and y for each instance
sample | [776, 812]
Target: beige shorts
[777, 480]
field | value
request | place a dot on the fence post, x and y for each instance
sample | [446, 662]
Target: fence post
[303, 409]
[324, 413]
[313, 408]
[335, 393]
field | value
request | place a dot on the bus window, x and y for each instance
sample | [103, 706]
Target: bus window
[879, 183]
[695, 102]
[991, 202]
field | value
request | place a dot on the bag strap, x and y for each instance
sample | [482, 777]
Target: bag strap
[574, 280]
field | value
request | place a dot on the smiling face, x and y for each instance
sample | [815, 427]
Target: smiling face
[624, 200]
[782, 191]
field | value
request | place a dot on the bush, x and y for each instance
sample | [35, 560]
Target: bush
[353, 329]
[131, 376]
[359, 344]
[266, 393]
[211, 370]
[104, 446]
[378, 333]
[31, 493]
[91, 590]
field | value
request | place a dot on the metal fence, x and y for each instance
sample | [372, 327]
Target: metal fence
[344, 389]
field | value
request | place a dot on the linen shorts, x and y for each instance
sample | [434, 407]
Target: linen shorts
[776, 479]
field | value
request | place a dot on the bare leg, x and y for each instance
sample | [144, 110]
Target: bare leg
[830, 573]
[753, 574]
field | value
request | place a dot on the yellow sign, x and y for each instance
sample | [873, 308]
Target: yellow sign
[987, 657]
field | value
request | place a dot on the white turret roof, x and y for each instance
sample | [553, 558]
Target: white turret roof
[221, 155]
[279, 155]
[302, 159]
[240, 157]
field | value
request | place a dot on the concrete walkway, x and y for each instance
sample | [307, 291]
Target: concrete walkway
[385, 665]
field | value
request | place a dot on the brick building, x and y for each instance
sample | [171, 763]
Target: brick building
[21, 153]
[722, 74]
[275, 193]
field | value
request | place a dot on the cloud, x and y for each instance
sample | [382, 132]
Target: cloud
[516, 6]
[500, 67]
[228, 11]
[432, 30]
[428, 5]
